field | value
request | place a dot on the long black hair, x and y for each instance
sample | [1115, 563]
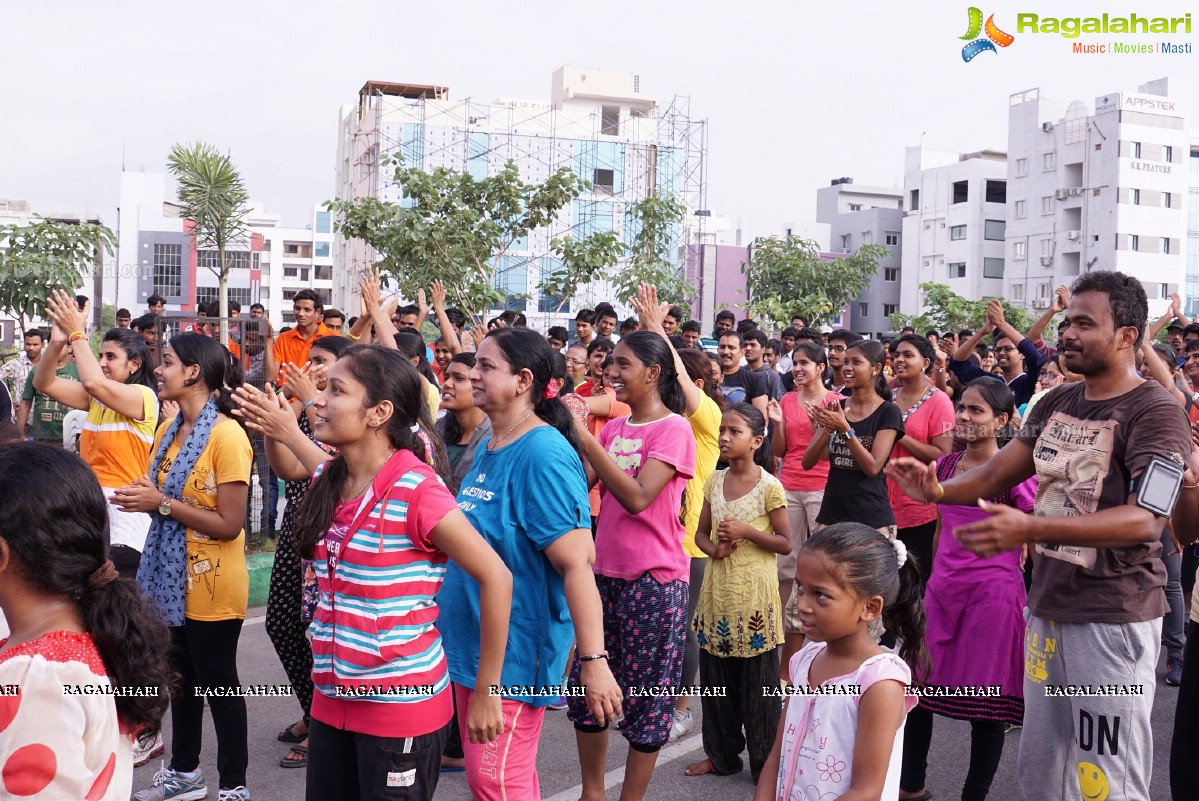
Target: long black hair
[757, 426]
[868, 565]
[448, 426]
[652, 350]
[527, 350]
[876, 354]
[134, 347]
[412, 345]
[333, 344]
[57, 541]
[385, 374]
[213, 360]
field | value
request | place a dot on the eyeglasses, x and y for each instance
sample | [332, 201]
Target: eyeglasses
[1005, 349]
[838, 348]
[577, 362]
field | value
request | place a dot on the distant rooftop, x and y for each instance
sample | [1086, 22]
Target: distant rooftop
[412, 91]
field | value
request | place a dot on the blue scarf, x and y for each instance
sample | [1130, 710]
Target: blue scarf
[162, 574]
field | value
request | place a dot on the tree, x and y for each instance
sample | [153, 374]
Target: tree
[582, 260]
[214, 198]
[946, 310]
[653, 221]
[786, 276]
[458, 228]
[46, 255]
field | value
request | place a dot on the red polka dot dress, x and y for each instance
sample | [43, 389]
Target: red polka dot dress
[59, 733]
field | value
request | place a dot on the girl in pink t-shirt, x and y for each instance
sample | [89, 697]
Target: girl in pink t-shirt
[643, 463]
[843, 724]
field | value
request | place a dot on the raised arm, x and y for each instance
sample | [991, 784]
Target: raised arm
[871, 460]
[634, 493]
[651, 313]
[1061, 299]
[1006, 469]
[1160, 372]
[443, 320]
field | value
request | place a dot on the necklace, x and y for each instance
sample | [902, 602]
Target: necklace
[370, 480]
[496, 441]
[928, 393]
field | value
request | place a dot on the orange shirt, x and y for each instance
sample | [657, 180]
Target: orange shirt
[291, 347]
[116, 447]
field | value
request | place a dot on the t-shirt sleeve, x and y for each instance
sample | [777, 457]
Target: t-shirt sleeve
[41, 700]
[891, 418]
[965, 371]
[709, 484]
[232, 455]
[428, 505]
[1032, 358]
[1160, 429]
[28, 392]
[887, 667]
[775, 498]
[1037, 416]
[674, 444]
[1024, 495]
[755, 385]
[555, 496]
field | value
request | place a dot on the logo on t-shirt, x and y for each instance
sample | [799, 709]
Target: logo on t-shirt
[1073, 458]
[732, 394]
[626, 453]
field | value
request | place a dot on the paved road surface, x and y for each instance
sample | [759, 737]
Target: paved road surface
[558, 760]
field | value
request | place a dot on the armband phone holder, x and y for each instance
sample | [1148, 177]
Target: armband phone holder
[1158, 486]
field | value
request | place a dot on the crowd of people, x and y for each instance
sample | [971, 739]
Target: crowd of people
[829, 540]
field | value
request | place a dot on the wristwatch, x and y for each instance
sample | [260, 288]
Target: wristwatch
[850, 434]
[164, 506]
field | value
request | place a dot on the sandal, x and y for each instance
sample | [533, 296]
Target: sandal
[300, 751]
[289, 735]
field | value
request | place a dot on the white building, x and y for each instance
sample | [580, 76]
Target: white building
[954, 224]
[867, 215]
[597, 122]
[156, 255]
[1106, 190]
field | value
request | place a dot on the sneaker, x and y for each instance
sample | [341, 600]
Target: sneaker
[235, 794]
[144, 752]
[1173, 670]
[558, 703]
[684, 724]
[1012, 727]
[173, 785]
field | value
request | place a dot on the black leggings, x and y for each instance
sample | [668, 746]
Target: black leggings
[919, 542]
[205, 654]
[986, 749]
[1186, 724]
[283, 623]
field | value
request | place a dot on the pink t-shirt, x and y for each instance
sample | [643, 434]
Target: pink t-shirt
[934, 417]
[628, 545]
[799, 434]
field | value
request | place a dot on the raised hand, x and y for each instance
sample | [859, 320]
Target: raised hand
[438, 293]
[1061, 298]
[774, 411]
[265, 413]
[917, 479]
[650, 312]
[422, 308]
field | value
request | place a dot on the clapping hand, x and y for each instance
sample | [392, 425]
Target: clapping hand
[774, 411]
[66, 314]
[265, 413]
[1061, 298]
[830, 416]
[650, 312]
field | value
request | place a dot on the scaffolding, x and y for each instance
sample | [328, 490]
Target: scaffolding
[656, 149]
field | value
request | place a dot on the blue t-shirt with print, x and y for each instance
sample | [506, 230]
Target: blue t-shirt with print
[521, 498]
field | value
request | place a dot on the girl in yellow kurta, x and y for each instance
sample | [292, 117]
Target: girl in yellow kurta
[739, 617]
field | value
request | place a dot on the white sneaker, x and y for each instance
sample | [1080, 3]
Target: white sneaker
[684, 724]
[143, 753]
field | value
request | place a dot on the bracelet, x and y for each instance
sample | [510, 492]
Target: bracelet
[940, 493]
[594, 657]
[350, 334]
[1191, 486]
[304, 408]
[75, 336]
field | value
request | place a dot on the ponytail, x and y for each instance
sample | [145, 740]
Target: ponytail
[554, 412]
[905, 617]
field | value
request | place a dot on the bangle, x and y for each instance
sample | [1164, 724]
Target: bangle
[1191, 486]
[594, 657]
[940, 493]
[350, 334]
[304, 408]
[75, 336]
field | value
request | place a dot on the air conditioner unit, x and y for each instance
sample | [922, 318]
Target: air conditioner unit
[1047, 127]
[1040, 303]
[1076, 190]
[1072, 235]
[1046, 261]
[1061, 194]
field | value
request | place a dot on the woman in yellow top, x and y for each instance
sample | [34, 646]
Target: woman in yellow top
[122, 412]
[194, 564]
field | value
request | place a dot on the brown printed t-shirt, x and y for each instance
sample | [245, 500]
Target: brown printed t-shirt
[1086, 453]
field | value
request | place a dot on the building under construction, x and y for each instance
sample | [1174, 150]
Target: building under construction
[598, 123]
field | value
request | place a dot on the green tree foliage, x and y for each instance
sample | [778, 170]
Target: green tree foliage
[456, 227]
[583, 260]
[213, 197]
[946, 310]
[654, 222]
[786, 276]
[46, 255]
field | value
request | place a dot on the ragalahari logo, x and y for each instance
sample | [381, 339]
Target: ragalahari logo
[994, 35]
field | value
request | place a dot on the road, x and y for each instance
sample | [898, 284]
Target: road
[558, 760]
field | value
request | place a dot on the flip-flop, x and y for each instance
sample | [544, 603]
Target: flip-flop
[289, 735]
[300, 750]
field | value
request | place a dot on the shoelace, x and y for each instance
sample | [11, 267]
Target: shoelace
[234, 794]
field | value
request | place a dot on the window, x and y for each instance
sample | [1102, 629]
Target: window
[992, 268]
[845, 243]
[604, 181]
[855, 206]
[211, 294]
[1017, 251]
[957, 269]
[1043, 290]
[323, 222]
[291, 272]
[1167, 153]
[1018, 292]
[304, 274]
[996, 192]
[1165, 244]
[957, 232]
[1050, 160]
[234, 259]
[322, 272]
[168, 270]
[291, 250]
[868, 237]
[1134, 242]
[289, 294]
[891, 274]
[863, 309]
[1167, 202]
[610, 120]
[915, 194]
[994, 230]
[1134, 197]
[1046, 247]
[1021, 167]
[322, 250]
[1136, 150]
[961, 191]
[889, 309]
[1047, 204]
[892, 238]
[1021, 209]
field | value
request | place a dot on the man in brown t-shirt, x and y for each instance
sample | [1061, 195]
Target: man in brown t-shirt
[1097, 597]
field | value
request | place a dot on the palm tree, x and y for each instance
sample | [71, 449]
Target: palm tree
[214, 198]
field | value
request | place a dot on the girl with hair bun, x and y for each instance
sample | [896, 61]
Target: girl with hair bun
[194, 563]
[75, 625]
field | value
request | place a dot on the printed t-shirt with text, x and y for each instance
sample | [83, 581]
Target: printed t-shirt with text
[851, 496]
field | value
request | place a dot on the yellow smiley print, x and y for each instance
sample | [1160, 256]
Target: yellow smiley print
[1092, 782]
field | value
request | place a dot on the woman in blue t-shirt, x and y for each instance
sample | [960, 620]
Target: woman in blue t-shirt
[527, 495]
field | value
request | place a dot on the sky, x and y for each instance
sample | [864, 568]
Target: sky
[795, 93]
